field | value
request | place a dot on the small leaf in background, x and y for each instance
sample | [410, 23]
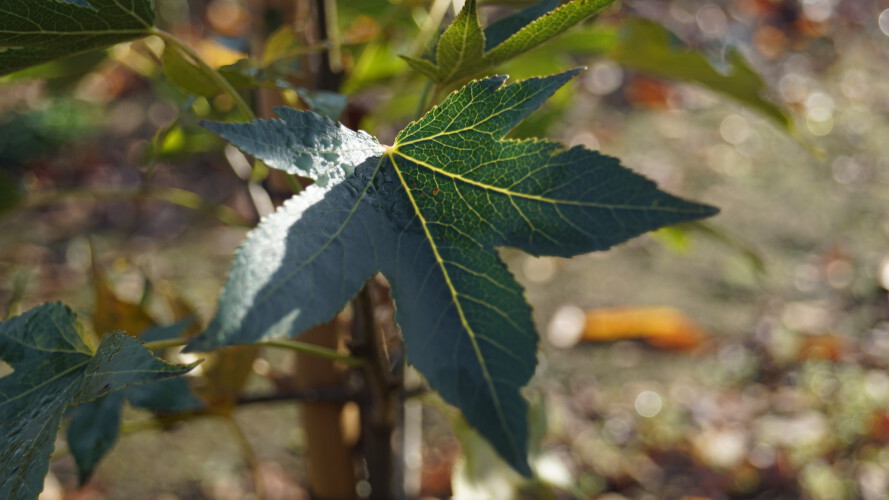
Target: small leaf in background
[37, 31]
[223, 372]
[281, 45]
[661, 327]
[56, 367]
[429, 212]
[324, 102]
[648, 47]
[224, 377]
[112, 313]
[465, 50]
[185, 74]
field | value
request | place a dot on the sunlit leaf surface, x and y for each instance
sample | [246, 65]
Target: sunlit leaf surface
[429, 212]
[465, 49]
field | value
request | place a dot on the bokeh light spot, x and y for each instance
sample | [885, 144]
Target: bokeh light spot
[648, 404]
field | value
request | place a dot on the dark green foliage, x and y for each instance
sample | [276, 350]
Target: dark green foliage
[56, 368]
[428, 212]
[37, 31]
[94, 426]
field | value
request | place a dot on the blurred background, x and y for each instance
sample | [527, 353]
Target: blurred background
[745, 357]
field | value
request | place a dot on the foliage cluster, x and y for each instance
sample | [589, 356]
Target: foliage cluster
[427, 211]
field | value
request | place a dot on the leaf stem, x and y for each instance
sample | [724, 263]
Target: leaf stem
[208, 70]
[294, 345]
[159, 345]
[314, 350]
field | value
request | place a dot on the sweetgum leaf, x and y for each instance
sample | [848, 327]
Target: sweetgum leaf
[37, 31]
[93, 430]
[465, 50]
[95, 425]
[461, 47]
[544, 28]
[55, 368]
[429, 212]
[497, 33]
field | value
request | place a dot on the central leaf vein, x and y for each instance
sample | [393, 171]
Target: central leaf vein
[455, 295]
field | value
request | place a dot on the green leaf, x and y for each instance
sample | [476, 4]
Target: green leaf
[461, 46]
[93, 430]
[648, 47]
[465, 50]
[95, 425]
[324, 102]
[498, 32]
[429, 212]
[187, 75]
[544, 28]
[37, 31]
[55, 368]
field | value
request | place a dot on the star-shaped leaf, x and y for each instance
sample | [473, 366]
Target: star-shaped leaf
[55, 368]
[37, 31]
[429, 212]
[465, 49]
[95, 425]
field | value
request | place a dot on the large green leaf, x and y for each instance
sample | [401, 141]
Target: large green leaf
[465, 50]
[37, 31]
[55, 368]
[429, 212]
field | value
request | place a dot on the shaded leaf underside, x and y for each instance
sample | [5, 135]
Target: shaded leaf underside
[428, 212]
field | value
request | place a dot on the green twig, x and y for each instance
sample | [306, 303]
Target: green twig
[159, 345]
[293, 345]
[314, 350]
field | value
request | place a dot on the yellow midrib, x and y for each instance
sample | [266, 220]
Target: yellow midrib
[533, 197]
[455, 295]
